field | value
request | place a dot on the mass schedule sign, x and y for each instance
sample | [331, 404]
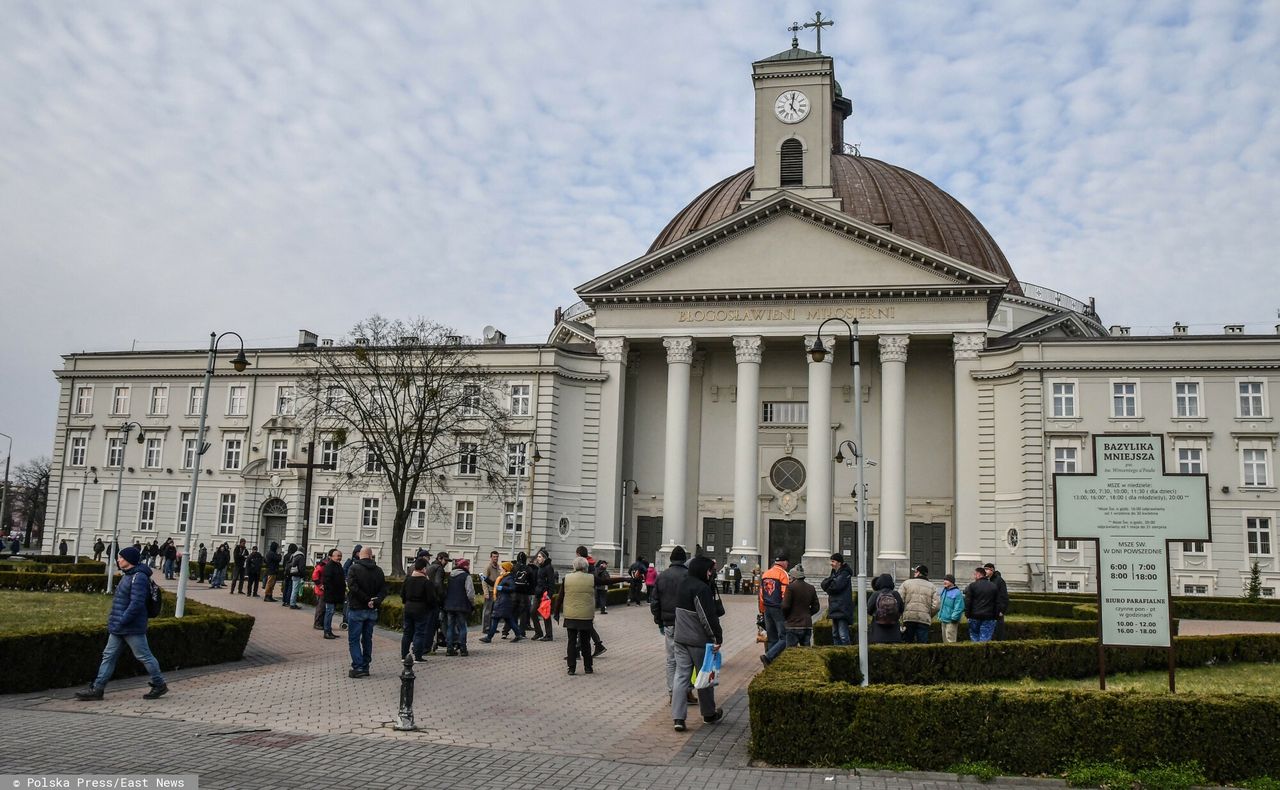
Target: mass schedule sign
[1132, 509]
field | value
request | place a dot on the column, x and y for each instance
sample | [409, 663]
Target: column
[893, 455]
[675, 529]
[613, 391]
[746, 451]
[967, 550]
[818, 502]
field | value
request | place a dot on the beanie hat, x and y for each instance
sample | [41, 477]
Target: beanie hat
[838, 557]
[678, 554]
[131, 555]
[463, 563]
[507, 566]
[950, 577]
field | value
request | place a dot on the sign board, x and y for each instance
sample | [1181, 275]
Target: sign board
[1132, 508]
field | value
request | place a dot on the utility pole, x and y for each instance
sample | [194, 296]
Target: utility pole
[310, 466]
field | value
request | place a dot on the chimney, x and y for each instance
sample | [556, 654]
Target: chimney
[1119, 331]
[1234, 329]
[1278, 329]
[362, 341]
[306, 339]
[409, 340]
[327, 342]
[559, 315]
[1179, 328]
[453, 340]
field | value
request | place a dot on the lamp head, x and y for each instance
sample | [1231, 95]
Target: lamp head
[142, 437]
[240, 362]
[635, 489]
[537, 456]
[839, 457]
[819, 351]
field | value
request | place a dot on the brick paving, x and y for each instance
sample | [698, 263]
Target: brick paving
[508, 711]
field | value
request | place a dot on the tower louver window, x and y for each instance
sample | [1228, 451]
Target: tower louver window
[792, 164]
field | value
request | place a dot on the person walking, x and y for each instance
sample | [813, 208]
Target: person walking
[435, 614]
[296, 569]
[799, 605]
[921, 601]
[547, 583]
[697, 624]
[591, 569]
[99, 547]
[238, 557]
[773, 586]
[576, 603]
[459, 600]
[504, 606]
[221, 558]
[317, 592]
[885, 607]
[950, 609]
[601, 574]
[981, 606]
[662, 606]
[253, 571]
[127, 625]
[170, 553]
[839, 589]
[332, 592]
[419, 597]
[366, 589]
[155, 553]
[491, 573]
[524, 578]
[650, 579]
[202, 558]
[636, 574]
[271, 563]
[1002, 598]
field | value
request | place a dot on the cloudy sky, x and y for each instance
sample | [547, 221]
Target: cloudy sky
[172, 168]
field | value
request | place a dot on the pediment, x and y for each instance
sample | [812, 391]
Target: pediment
[789, 244]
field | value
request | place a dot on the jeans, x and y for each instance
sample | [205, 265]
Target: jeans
[915, 632]
[253, 584]
[328, 617]
[509, 624]
[773, 651]
[688, 657]
[840, 632]
[168, 568]
[219, 575]
[201, 564]
[799, 637]
[294, 589]
[285, 584]
[775, 626]
[579, 642]
[141, 651]
[486, 616]
[950, 631]
[456, 629]
[602, 598]
[669, 634]
[433, 622]
[981, 630]
[414, 635]
[237, 578]
[360, 637]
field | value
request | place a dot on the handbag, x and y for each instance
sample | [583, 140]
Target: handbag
[708, 674]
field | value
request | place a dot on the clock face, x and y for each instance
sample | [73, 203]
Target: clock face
[791, 107]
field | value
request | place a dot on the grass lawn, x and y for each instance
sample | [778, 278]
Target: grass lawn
[37, 611]
[1235, 678]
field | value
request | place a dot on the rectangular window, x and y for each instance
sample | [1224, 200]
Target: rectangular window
[79, 450]
[84, 400]
[159, 400]
[329, 453]
[1251, 401]
[284, 399]
[115, 451]
[1124, 399]
[418, 514]
[468, 457]
[231, 452]
[1255, 467]
[1064, 460]
[1193, 547]
[370, 507]
[189, 448]
[1186, 398]
[371, 461]
[1068, 545]
[151, 456]
[516, 459]
[1190, 460]
[195, 400]
[464, 516]
[520, 400]
[237, 400]
[1064, 399]
[471, 400]
[514, 517]
[184, 509]
[279, 453]
[785, 412]
[1268, 592]
[227, 514]
[1195, 589]
[332, 397]
[324, 511]
[1258, 534]
[1067, 586]
[120, 400]
[147, 511]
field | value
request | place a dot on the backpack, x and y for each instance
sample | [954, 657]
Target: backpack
[523, 580]
[155, 598]
[886, 609]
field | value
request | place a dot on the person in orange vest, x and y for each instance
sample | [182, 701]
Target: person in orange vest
[773, 586]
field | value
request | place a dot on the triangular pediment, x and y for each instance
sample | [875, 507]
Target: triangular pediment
[789, 244]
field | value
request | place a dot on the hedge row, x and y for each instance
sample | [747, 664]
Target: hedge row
[802, 715]
[52, 559]
[55, 582]
[55, 657]
[1029, 628]
[88, 566]
[1193, 608]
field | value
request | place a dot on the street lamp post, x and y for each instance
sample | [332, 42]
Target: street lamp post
[84, 491]
[4, 494]
[125, 430]
[518, 515]
[239, 363]
[819, 353]
[622, 519]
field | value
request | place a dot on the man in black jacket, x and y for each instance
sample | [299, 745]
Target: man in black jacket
[980, 606]
[1002, 598]
[334, 584]
[238, 557]
[272, 560]
[697, 623]
[253, 570]
[525, 578]
[366, 587]
[662, 604]
[547, 581]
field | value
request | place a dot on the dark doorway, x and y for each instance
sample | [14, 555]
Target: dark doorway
[717, 539]
[849, 545]
[648, 536]
[786, 536]
[929, 547]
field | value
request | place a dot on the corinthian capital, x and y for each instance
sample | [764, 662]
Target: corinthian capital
[828, 342]
[893, 348]
[747, 348]
[679, 349]
[966, 345]
[613, 349]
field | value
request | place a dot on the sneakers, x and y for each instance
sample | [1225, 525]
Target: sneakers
[330, 635]
[715, 717]
[517, 639]
[294, 606]
[358, 673]
[678, 725]
[765, 660]
[600, 648]
[90, 693]
[156, 692]
[318, 627]
[572, 671]
[451, 652]
[589, 671]
[268, 599]
[486, 639]
[419, 659]
[462, 650]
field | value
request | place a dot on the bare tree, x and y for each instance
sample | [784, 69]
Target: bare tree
[405, 401]
[31, 492]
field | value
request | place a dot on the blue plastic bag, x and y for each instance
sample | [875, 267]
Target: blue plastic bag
[709, 674]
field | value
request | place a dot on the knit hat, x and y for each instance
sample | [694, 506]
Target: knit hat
[131, 555]
[678, 554]
[463, 563]
[797, 572]
[951, 578]
[507, 566]
[838, 557]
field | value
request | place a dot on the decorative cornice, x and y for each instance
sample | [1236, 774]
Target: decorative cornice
[679, 350]
[967, 345]
[829, 341]
[893, 348]
[748, 348]
[613, 349]
[1131, 365]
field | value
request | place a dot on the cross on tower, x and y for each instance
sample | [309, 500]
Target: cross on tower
[817, 24]
[795, 28]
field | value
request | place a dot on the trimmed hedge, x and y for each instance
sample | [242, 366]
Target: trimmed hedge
[1200, 608]
[56, 657]
[55, 582]
[1031, 628]
[802, 715]
[51, 559]
[88, 566]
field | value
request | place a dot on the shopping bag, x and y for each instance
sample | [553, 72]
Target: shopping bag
[709, 674]
[544, 608]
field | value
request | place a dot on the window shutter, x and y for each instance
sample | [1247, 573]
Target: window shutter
[792, 163]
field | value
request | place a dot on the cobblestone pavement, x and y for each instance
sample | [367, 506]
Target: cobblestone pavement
[289, 711]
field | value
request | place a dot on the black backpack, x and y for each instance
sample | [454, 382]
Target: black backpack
[155, 599]
[524, 580]
[886, 608]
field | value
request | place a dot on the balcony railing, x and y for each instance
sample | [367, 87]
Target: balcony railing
[1042, 294]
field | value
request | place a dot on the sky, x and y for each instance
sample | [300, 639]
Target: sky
[168, 169]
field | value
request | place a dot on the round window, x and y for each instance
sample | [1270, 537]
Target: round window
[1012, 538]
[787, 474]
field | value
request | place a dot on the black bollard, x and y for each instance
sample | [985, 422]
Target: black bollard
[406, 696]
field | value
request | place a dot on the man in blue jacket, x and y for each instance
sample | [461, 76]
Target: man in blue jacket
[127, 625]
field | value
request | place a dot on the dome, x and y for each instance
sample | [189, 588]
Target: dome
[877, 193]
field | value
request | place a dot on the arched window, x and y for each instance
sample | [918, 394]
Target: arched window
[792, 163]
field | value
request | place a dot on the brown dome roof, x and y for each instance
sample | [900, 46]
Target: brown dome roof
[877, 193]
